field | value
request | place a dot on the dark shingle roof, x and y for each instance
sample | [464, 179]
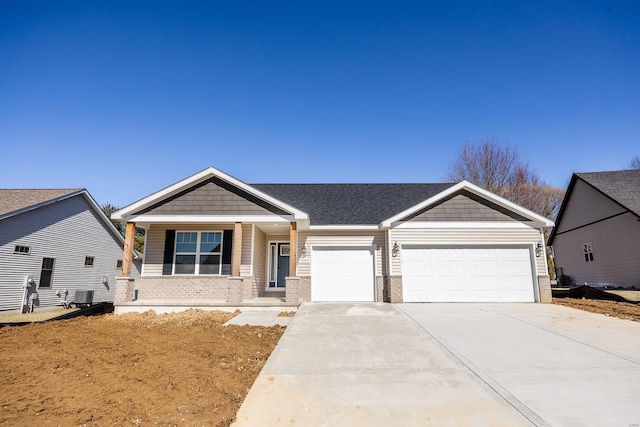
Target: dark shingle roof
[15, 200]
[351, 204]
[621, 186]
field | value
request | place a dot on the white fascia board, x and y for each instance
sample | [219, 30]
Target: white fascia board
[213, 219]
[468, 224]
[209, 172]
[466, 185]
[343, 227]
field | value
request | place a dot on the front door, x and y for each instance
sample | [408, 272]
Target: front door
[278, 264]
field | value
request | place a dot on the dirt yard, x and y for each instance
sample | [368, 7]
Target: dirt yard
[146, 369]
[133, 369]
[622, 310]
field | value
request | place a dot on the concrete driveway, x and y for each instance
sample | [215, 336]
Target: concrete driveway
[449, 364]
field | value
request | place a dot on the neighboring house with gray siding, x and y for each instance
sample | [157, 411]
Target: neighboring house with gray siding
[597, 235]
[63, 240]
[213, 239]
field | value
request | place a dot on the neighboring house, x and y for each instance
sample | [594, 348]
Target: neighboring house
[597, 236]
[212, 238]
[63, 241]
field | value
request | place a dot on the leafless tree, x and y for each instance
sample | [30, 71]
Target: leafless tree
[138, 243]
[500, 169]
[634, 163]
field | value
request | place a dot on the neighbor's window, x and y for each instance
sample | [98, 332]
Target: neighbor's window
[46, 273]
[198, 252]
[19, 249]
[88, 261]
[119, 264]
[588, 252]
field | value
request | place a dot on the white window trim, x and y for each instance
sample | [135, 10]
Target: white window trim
[197, 253]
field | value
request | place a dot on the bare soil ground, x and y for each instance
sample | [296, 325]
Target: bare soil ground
[131, 369]
[621, 310]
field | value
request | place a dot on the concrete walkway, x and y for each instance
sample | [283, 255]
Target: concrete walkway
[259, 318]
[449, 364]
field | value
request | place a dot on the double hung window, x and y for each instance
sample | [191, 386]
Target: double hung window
[198, 252]
[46, 272]
[587, 249]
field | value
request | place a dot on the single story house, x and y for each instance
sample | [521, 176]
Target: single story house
[597, 235]
[212, 237]
[54, 243]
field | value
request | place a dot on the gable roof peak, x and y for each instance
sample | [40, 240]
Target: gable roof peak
[622, 186]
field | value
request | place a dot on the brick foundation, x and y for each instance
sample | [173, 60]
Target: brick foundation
[124, 290]
[292, 290]
[298, 289]
[183, 287]
[395, 289]
[380, 289]
[237, 289]
[544, 284]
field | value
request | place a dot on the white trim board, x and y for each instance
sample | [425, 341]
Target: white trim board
[219, 219]
[467, 224]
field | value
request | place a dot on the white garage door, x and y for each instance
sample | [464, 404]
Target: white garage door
[467, 274]
[342, 274]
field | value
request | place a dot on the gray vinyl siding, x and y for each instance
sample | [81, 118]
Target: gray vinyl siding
[466, 206]
[154, 250]
[343, 238]
[66, 231]
[260, 256]
[616, 252]
[464, 236]
[585, 206]
[211, 199]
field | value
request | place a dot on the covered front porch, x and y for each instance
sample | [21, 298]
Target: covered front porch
[259, 259]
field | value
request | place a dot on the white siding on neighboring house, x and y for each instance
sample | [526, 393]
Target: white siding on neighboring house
[616, 252]
[591, 217]
[68, 231]
[585, 206]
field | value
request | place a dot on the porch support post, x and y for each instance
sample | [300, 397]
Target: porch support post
[237, 249]
[127, 258]
[293, 249]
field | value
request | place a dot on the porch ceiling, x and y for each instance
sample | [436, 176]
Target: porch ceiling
[274, 228]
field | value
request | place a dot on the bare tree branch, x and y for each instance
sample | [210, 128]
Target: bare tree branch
[500, 169]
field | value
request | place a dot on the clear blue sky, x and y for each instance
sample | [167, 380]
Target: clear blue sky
[125, 98]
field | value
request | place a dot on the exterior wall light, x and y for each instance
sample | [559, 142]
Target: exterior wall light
[395, 250]
[539, 248]
[304, 249]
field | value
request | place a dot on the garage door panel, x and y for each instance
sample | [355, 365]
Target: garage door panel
[342, 274]
[468, 274]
